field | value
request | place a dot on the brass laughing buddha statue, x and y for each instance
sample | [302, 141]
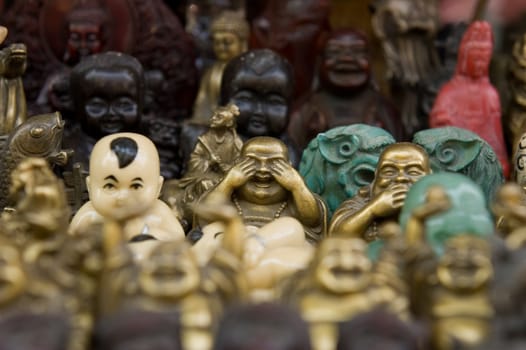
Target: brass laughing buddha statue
[264, 186]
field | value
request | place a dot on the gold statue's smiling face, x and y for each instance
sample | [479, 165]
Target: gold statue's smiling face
[343, 266]
[401, 163]
[466, 263]
[170, 272]
[262, 188]
[123, 192]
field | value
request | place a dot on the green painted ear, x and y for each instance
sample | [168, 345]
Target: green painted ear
[455, 155]
[339, 149]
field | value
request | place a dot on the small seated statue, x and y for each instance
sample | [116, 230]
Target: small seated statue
[213, 155]
[215, 151]
[347, 93]
[124, 185]
[399, 167]
[264, 186]
[338, 285]
[455, 287]
[229, 31]
[448, 259]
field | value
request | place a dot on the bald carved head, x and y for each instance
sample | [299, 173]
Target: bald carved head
[124, 178]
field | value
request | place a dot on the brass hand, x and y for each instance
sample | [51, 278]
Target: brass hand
[285, 175]
[240, 173]
[389, 201]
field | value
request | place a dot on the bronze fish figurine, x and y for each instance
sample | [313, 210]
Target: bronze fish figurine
[39, 136]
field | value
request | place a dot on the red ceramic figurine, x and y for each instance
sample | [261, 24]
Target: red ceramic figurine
[469, 100]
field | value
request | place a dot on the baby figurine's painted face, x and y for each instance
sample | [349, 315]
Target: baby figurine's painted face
[111, 103]
[124, 180]
[260, 83]
[108, 94]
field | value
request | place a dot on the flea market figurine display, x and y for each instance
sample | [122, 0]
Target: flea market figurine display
[347, 93]
[124, 185]
[13, 63]
[214, 154]
[399, 167]
[293, 29]
[229, 31]
[261, 84]
[108, 97]
[469, 100]
[461, 151]
[407, 30]
[264, 186]
[340, 161]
